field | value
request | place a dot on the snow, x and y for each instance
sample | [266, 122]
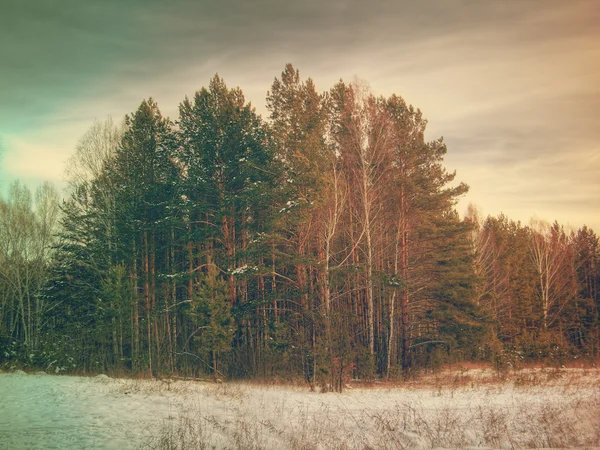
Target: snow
[472, 409]
[63, 412]
[239, 270]
[243, 269]
[289, 205]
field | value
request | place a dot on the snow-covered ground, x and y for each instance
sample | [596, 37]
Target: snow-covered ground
[62, 412]
[530, 409]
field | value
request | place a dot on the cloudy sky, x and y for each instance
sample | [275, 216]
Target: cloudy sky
[513, 86]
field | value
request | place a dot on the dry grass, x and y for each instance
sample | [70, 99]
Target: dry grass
[407, 427]
[155, 387]
[533, 408]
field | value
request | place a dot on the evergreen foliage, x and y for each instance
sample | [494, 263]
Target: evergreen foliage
[320, 243]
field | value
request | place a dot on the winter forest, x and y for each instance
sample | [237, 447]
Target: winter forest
[321, 243]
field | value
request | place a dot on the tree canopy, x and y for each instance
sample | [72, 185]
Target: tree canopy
[321, 242]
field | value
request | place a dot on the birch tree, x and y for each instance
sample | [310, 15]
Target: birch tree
[552, 256]
[364, 145]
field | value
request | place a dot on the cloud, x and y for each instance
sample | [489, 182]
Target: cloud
[52, 51]
[512, 86]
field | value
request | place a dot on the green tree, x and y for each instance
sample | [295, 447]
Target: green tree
[585, 331]
[143, 176]
[210, 312]
[308, 209]
[229, 184]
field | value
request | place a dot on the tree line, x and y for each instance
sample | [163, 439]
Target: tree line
[320, 243]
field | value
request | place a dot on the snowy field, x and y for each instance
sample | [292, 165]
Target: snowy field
[528, 409]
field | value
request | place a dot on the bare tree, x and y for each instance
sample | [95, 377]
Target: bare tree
[366, 150]
[552, 256]
[93, 151]
[26, 236]
[332, 214]
[86, 169]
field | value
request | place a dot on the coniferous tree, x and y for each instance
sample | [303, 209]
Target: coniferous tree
[323, 243]
[229, 182]
[299, 118]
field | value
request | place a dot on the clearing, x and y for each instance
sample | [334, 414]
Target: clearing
[531, 408]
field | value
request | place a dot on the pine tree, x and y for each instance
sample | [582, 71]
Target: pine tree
[142, 174]
[210, 312]
[299, 118]
[230, 178]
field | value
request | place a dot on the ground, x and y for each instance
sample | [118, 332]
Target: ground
[480, 408]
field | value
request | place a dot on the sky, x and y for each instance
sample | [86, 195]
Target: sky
[513, 86]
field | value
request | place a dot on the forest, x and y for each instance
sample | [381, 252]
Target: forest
[320, 243]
